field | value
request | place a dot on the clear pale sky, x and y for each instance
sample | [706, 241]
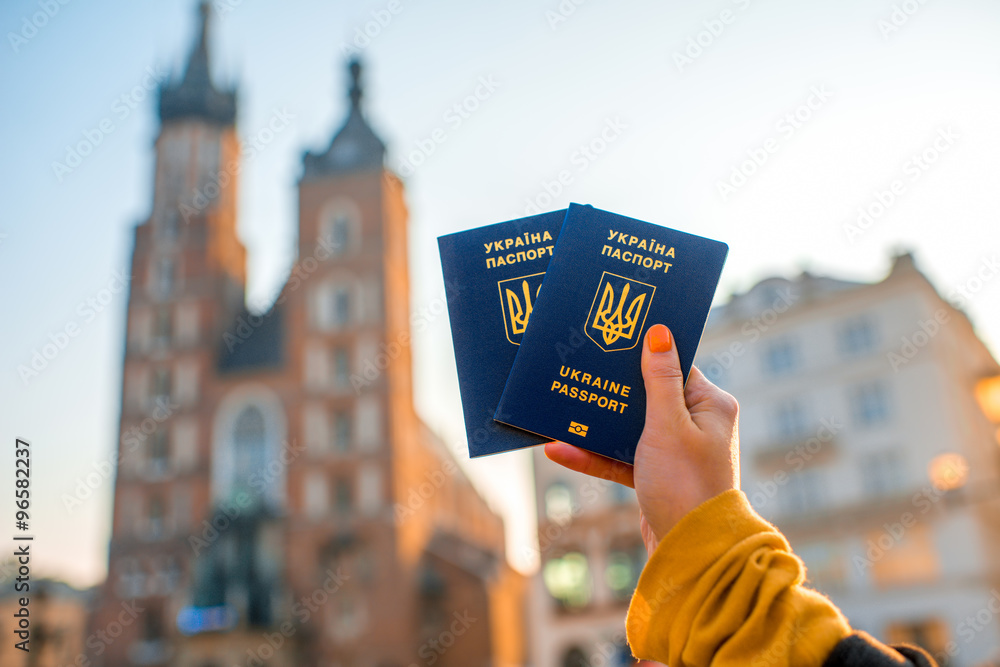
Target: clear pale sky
[883, 87]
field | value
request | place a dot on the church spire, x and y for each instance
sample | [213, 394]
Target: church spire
[355, 146]
[356, 91]
[196, 95]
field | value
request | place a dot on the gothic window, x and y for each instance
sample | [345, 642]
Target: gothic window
[165, 276]
[159, 451]
[341, 432]
[161, 385]
[338, 232]
[249, 448]
[342, 496]
[154, 517]
[169, 226]
[341, 306]
[342, 367]
[163, 326]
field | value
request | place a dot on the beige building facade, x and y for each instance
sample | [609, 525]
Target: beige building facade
[868, 419]
[864, 440]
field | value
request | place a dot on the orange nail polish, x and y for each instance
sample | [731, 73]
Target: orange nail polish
[660, 339]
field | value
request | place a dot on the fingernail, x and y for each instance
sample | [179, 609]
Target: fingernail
[660, 339]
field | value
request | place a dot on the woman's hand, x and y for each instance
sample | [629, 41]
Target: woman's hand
[689, 451]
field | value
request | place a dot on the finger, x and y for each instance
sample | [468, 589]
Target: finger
[706, 398]
[661, 371]
[589, 463]
[698, 389]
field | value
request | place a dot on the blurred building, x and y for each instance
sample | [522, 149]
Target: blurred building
[591, 555]
[863, 440]
[58, 615]
[278, 502]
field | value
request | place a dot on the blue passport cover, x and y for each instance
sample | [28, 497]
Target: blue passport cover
[492, 275]
[577, 376]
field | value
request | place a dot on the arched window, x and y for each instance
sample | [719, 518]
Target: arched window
[159, 451]
[249, 448]
[154, 518]
[339, 232]
[166, 271]
[341, 432]
[338, 228]
[558, 503]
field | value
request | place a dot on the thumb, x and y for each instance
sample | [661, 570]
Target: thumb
[661, 371]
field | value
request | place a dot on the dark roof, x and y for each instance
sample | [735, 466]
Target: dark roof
[253, 342]
[195, 96]
[355, 147]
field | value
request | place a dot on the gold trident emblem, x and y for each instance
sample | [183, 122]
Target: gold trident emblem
[519, 315]
[611, 323]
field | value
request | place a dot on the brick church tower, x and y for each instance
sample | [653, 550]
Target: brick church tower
[275, 505]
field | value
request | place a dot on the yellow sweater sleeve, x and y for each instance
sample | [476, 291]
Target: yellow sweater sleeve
[724, 588]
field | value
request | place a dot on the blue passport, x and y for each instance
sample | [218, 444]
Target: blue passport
[577, 375]
[492, 275]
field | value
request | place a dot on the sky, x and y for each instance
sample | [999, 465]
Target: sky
[807, 135]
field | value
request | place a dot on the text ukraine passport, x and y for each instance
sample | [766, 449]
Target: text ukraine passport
[577, 376]
[492, 275]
